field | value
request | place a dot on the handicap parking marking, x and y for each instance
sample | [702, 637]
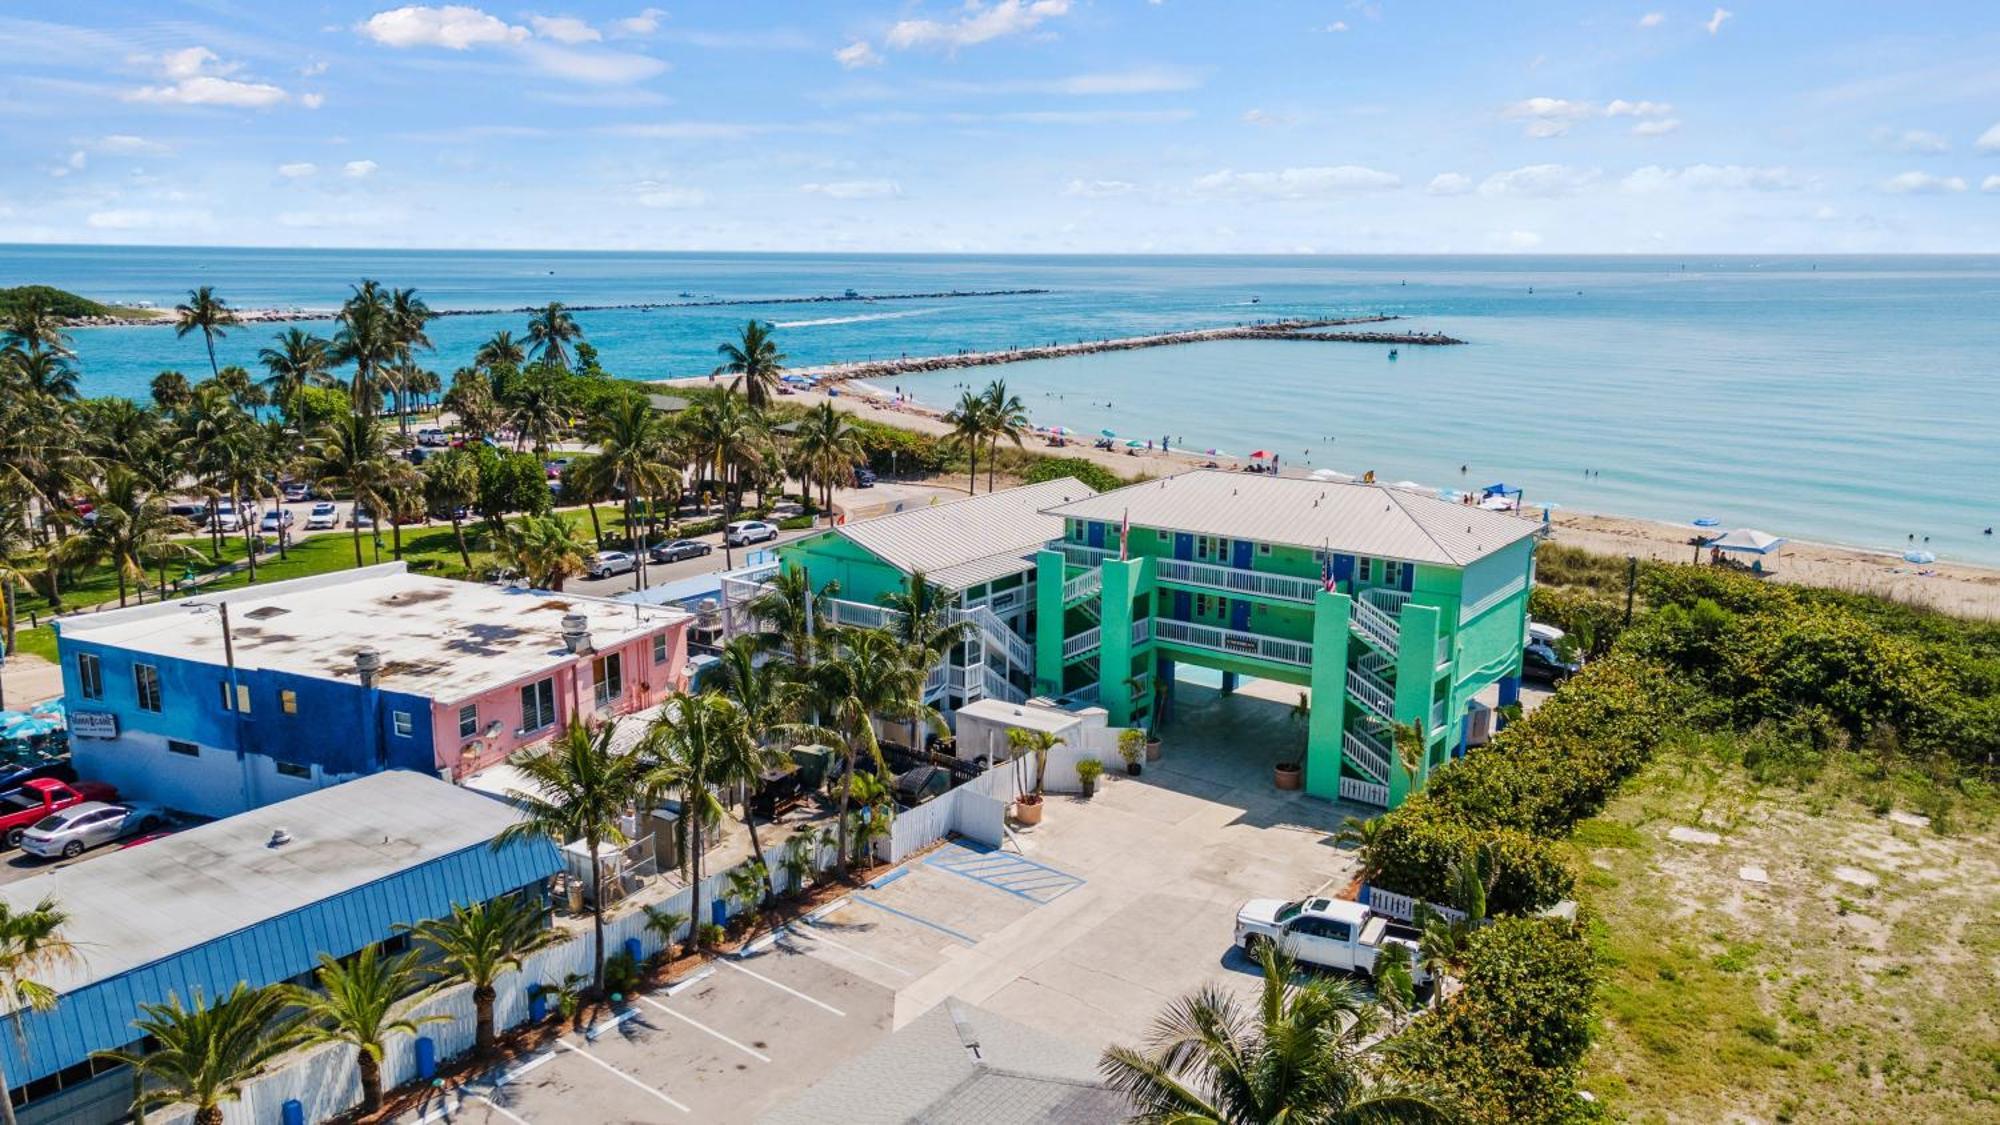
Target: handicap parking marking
[1016, 875]
[783, 987]
[662, 1095]
[695, 1023]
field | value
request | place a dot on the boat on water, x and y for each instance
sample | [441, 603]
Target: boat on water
[1392, 353]
[1256, 299]
[851, 294]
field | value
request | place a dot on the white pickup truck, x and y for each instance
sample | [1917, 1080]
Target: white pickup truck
[1329, 932]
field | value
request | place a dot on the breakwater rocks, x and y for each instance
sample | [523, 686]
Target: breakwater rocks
[1269, 330]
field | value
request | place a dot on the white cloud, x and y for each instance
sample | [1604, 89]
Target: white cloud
[1619, 107]
[297, 169]
[1099, 189]
[653, 193]
[1548, 117]
[595, 66]
[645, 23]
[312, 101]
[1715, 22]
[1990, 183]
[1449, 183]
[125, 144]
[1336, 27]
[1297, 183]
[1922, 183]
[564, 29]
[455, 27]
[858, 54]
[1714, 177]
[1659, 128]
[979, 23]
[313, 69]
[1989, 141]
[1265, 119]
[139, 218]
[1921, 141]
[1652, 19]
[1517, 240]
[359, 169]
[855, 189]
[78, 160]
[357, 217]
[196, 76]
[1539, 181]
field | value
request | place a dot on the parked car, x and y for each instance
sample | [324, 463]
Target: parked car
[323, 515]
[1540, 662]
[70, 832]
[22, 808]
[679, 549]
[296, 491]
[431, 435]
[225, 517]
[555, 468]
[1329, 932]
[742, 533]
[864, 477]
[604, 564]
[15, 774]
[924, 783]
[276, 520]
[196, 514]
[360, 517]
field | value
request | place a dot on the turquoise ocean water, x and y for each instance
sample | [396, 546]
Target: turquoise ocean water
[1850, 400]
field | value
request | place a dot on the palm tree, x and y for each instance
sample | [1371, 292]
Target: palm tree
[768, 700]
[356, 1003]
[208, 314]
[451, 484]
[685, 750]
[580, 789]
[545, 550]
[1023, 741]
[129, 528]
[552, 330]
[48, 373]
[478, 943]
[298, 361]
[500, 351]
[540, 409]
[756, 360]
[351, 456]
[928, 630]
[865, 677]
[170, 391]
[1006, 417]
[368, 338]
[31, 943]
[720, 427]
[874, 812]
[1302, 1054]
[970, 425]
[793, 615]
[631, 441]
[204, 1054]
[1445, 942]
[828, 448]
[666, 925]
[33, 325]
[1363, 836]
[238, 464]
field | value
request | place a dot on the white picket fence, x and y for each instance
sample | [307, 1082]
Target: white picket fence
[1389, 904]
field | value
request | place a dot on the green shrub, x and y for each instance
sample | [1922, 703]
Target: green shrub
[60, 302]
[1083, 469]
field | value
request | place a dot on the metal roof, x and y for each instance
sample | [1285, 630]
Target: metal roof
[1359, 519]
[220, 903]
[970, 541]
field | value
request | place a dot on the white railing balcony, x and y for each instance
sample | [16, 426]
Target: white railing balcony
[1367, 754]
[1232, 641]
[1142, 631]
[1076, 554]
[1444, 649]
[998, 686]
[1085, 585]
[1437, 715]
[934, 682]
[1083, 643]
[1372, 692]
[1377, 664]
[1255, 583]
[1388, 601]
[996, 635]
[1365, 792]
[860, 615]
[1376, 626]
[1141, 684]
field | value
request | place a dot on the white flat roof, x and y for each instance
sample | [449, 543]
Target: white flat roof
[137, 905]
[1024, 715]
[1359, 519]
[438, 637]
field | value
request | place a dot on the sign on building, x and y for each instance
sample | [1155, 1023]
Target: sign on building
[93, 724]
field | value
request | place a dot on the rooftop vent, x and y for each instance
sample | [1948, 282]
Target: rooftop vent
[265, 612]
[279, 838]
[368, 663]
[576, 632]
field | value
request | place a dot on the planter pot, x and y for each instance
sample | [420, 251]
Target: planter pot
[1152, 749]
[1289, 775]
[1132, 768]
[1028, 811]
[1089, 788]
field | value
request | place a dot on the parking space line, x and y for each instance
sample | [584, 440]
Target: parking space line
[817, 936]
[784, 988]
[752, 1052]
[634, 1081]
[690, 981]
[967, 939]
[498, 1108]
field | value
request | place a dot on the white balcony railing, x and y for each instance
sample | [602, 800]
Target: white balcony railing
[1207, 576]
[1367, 754]
[998, 686]
[1232, 641]
[1376, 626]
[1142, 630]
[1372, 692]
[1085, 585]
[1365, 792]
[935, 680]
[997, 636]
[1076, 554]
[1083, 643]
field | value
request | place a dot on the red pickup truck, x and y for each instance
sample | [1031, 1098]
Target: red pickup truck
[21, 808]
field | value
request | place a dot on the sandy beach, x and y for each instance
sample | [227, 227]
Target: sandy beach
[1957, 589]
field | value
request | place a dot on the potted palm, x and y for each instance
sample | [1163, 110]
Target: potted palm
[1131, 745]
[1028, 806]
[1087, 772]
[1291, 775]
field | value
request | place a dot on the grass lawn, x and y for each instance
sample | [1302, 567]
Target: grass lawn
[1856, 984]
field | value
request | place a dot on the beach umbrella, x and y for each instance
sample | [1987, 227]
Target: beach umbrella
[1747, 539]
[1106, 433]
[1707, 521]
[1259, 455]
[1919, 557]
[1135, 443]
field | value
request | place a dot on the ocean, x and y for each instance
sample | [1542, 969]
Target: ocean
[1842, 399]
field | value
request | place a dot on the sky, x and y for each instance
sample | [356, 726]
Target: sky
[1021, 126]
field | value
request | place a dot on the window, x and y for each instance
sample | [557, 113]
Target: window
[659, 648]
[1263, 548]
[176, 746]
[1392, 572]
[90, 675]
[288, 700]
[400, 720]
[538, 705]
[608, 671]
[468, 721]
[1201, 605]
[146, 686]
[242, 697]
[293, 769]
[1367, 571]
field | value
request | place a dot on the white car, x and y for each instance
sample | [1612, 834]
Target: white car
[604, 564]
[742, 533]
[1330, 932]
[225, 518]
[430, 435]
[323, 515]
[75, 829]
[275, 520]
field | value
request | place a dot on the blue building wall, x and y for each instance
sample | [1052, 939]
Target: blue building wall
[99, 1017]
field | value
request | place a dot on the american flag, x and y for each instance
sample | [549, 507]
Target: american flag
[1326, 571]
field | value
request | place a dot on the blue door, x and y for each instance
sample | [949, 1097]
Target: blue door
[1182, 611]
[1096, 533]
[1183, 549]
[1240, 554]
[1239, 614]
[1343, 568]
[1409, 577]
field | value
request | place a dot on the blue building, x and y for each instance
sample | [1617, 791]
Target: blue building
[255, 898]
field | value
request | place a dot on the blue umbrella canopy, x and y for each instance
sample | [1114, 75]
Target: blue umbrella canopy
[1107, 433]
[1707, 521]
[31, 727]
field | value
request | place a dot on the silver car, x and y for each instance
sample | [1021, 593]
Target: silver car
[74, 830]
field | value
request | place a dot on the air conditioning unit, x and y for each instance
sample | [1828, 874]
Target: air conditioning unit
[1478, 724]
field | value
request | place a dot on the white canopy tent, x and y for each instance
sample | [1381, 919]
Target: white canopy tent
[1748, 540]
